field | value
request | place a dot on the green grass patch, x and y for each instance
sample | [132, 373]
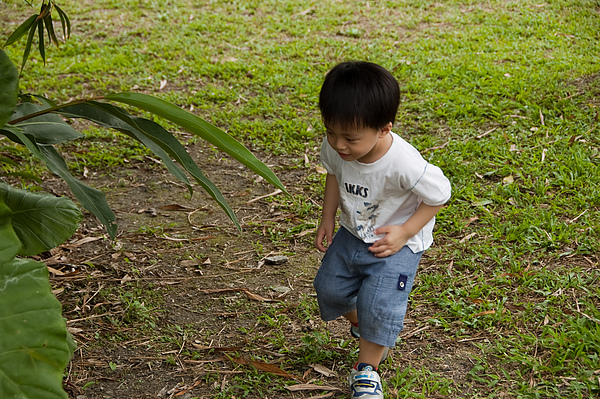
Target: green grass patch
[503, 96]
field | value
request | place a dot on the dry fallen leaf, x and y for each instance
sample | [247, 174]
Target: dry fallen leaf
[257, 297]
[467, 237]
[54, 271]
[323, 370]
[514, 308]
[305, 232]
[508, 179]
[174, 207]
[471, 220]
[190, 262]
[484, 313]
[270, 368]
[307, 11]
[321, 170]
[82, 241]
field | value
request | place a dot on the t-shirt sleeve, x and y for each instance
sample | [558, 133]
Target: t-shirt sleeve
[326, 157]
[425, 180]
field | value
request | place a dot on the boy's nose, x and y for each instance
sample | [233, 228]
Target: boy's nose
[339, 144]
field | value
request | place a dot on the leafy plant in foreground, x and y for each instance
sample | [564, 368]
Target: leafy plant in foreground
[35, 346]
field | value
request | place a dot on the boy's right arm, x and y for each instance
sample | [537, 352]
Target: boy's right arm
[330, 205]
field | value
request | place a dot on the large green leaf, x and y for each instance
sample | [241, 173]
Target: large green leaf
[47, 128]
[9, 82]
[201, 128]
[35, 346]
[41, 221]
[156, 138]
[9, 241]
[91, 199]
[21, 30]
[104, 118]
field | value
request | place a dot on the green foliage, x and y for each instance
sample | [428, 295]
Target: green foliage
[92, 199]
[11, 244]
[34, 126]
[42, 221]
[35, 347]
[46, 128]
[9, 84]
[40, 22]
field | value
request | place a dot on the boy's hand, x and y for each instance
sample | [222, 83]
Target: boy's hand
[324, 231]
[395, 238]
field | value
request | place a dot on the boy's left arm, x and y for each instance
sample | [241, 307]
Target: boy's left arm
[396, 236]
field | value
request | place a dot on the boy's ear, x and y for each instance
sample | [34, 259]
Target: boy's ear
[386, 129]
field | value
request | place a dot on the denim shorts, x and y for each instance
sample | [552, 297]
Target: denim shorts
[351, 277]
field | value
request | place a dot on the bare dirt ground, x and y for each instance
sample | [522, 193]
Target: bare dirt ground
[175, 306]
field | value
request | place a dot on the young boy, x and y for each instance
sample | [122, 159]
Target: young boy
[388, 196]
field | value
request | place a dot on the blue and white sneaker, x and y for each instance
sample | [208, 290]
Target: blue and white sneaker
[356, 334]
[365, 383]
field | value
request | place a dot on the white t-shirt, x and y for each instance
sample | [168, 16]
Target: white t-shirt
[387, 191]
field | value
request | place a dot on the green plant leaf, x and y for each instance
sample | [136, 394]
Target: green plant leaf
[41, 44]
[42, 99]
[90, 198]
[40, 221]
[35, 347]
[64, 21]
[21, 30]
[27, 49]
[50, 29]
[156, 138]
[9, 241]
[105, 118]
[48, 128]
[201, 128]
[9, 85]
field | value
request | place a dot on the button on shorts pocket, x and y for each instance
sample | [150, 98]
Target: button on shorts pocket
[402, 282]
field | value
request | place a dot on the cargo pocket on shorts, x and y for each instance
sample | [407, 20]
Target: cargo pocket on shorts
[388, 304]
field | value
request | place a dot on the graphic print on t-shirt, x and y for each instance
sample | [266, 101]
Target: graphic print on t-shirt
[356, 189]
[366, 219]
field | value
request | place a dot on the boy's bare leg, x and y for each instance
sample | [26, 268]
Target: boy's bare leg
[352, 317]
[370, 352]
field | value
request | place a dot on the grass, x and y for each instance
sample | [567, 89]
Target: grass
[503, 96]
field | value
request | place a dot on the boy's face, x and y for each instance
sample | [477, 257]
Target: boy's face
[365, 145]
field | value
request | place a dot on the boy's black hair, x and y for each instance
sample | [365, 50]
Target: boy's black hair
[359, 94]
